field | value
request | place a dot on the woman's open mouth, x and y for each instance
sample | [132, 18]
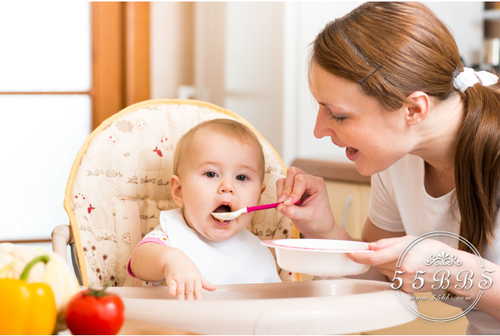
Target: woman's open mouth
[351, 153]
[351, 150]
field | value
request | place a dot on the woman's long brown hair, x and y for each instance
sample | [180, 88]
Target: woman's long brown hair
[393, 49]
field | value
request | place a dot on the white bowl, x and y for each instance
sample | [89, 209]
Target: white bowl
[321, 257]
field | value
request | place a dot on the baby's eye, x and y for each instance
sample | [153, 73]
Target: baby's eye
[241, 177]
[211, 174]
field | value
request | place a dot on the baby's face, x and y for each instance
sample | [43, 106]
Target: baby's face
[223, 174]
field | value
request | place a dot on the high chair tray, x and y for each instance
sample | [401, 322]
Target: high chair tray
[340, 306]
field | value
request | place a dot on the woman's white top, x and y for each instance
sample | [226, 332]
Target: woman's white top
[399, 202]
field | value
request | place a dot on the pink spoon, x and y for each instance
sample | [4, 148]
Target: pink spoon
[235, 214]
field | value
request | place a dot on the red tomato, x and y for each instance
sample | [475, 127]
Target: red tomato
[92, 312]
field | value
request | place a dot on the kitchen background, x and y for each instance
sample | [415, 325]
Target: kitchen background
[66, 66]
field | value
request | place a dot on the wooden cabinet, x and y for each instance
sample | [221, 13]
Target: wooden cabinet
[349, 203]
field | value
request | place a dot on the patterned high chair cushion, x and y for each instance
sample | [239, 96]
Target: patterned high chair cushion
[119, 183]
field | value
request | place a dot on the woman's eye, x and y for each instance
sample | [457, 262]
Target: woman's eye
[335, 118]
[210, 174]
[241, 177]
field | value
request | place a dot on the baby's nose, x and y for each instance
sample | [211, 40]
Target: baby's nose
[226, 187]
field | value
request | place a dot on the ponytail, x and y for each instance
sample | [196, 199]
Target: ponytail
[477, 166]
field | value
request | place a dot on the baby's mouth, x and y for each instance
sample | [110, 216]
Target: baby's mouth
[222, 208]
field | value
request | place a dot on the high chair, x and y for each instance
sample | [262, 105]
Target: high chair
[119, 183]
[117, 187]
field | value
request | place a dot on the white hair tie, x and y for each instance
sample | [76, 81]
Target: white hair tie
[469, 77]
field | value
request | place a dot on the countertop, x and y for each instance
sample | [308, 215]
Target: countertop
[331, 170]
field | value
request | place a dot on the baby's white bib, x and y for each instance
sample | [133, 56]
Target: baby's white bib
[238, 260]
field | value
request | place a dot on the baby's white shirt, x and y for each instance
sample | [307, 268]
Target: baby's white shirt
[238, 260]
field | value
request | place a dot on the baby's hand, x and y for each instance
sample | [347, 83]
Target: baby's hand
[184, 279]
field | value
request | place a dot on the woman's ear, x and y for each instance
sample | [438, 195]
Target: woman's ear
[417, 111]
[175, 185]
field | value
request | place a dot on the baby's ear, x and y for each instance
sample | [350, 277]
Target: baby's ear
[262, 189]
[175, 185]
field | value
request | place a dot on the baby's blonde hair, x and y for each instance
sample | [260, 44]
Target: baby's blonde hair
[228, 127]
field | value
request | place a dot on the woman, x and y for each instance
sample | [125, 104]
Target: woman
[392, 90]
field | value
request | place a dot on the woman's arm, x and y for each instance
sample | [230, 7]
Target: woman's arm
[490, 299]
[372, 233]
[387, 252]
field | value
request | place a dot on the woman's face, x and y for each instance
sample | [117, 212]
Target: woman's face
[374, 138]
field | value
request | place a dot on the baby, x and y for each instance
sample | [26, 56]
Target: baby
[218, 167]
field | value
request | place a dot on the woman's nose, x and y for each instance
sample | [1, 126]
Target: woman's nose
[321, 128]
[226, 187]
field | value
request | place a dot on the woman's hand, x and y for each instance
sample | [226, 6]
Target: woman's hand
[313, 217]
[184, 279]
[413, 274]
[385, 256]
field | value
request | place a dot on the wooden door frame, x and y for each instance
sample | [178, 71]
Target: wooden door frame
[120, 57]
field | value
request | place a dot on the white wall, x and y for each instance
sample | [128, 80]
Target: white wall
[312, 17]
[465, 21]
[239, 62]
[251, 57]
[171, 48]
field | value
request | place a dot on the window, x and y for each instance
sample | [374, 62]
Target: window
[65, 67]
[45, 73]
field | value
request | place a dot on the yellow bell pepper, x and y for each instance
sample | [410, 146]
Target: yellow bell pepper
[27, 309]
